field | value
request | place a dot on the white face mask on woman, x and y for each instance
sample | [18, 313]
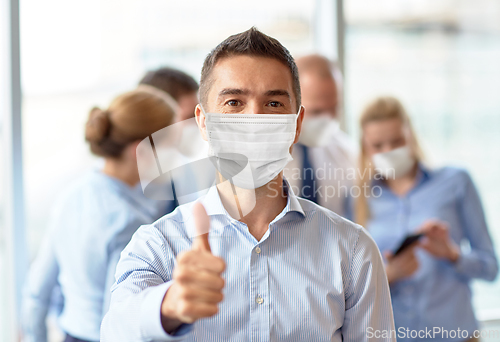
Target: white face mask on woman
[316, 131]
[394, 164]
[250, 150]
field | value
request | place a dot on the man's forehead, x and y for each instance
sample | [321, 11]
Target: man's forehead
[312, 79]
[251, 73]
[313, 86]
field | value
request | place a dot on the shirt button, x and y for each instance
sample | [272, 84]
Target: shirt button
[259, 300]
[257, 250]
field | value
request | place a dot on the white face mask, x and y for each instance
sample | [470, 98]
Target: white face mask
[394, 164]
[250, 150]
[316, 131]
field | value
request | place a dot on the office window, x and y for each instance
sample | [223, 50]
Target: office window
[83, 53]
[441, 58]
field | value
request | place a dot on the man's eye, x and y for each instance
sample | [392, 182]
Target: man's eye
[398, 142]
[232, 103]
[275, 104]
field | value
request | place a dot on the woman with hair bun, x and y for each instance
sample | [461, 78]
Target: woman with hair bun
[429, 280]
[95, 218]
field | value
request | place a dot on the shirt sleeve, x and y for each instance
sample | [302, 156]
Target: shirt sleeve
[368, 308]
[122, 235]
[143, 276]
[480, 261]
[41, 280]
[110, 278]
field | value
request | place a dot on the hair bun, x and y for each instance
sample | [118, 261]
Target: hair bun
[98, 125]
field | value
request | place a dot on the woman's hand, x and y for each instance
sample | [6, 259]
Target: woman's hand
[437, 240]
[401, 266]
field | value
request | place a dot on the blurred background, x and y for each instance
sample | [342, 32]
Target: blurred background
[440, 57]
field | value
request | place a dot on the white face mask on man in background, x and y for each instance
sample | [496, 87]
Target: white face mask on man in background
[395, 163]
[316, 131]
[250, 150]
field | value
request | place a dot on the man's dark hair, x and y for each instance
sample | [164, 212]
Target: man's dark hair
[172, 81]
[251, 43]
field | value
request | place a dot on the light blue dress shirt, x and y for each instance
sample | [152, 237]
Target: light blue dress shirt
[314, 276]
[438, 294]
[90, 225]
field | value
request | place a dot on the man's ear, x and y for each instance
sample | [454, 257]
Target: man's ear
[200, 120]
[300, 117]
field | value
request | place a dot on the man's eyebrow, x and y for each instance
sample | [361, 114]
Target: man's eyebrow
[278, 92]
[233, 91]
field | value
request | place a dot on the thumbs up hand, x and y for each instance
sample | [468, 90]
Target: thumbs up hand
[197, 283]
[202, 225]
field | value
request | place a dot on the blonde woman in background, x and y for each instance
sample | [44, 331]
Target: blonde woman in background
[95, 218]
[430, 280]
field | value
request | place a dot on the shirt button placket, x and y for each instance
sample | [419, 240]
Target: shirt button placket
[259, 292]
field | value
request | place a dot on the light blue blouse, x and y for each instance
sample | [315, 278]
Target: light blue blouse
[438, 294]
[90, 225]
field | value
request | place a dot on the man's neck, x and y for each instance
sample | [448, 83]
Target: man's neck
[254, 207]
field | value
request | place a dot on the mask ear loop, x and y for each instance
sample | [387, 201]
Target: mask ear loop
[205, 115]
[298, 113]
[296, 118]
[202, 109]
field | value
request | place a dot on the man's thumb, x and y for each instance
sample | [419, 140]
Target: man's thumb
[202, 227]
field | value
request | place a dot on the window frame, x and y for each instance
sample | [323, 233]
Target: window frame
[15, 242]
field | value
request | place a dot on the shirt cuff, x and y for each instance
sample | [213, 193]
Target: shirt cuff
[465, 265]
[151, 327]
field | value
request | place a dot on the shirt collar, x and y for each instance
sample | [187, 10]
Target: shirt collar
[213, 204]
[425, 172]
[292, 203]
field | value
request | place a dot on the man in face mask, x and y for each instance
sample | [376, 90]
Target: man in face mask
[250, 260]
[323, 163]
